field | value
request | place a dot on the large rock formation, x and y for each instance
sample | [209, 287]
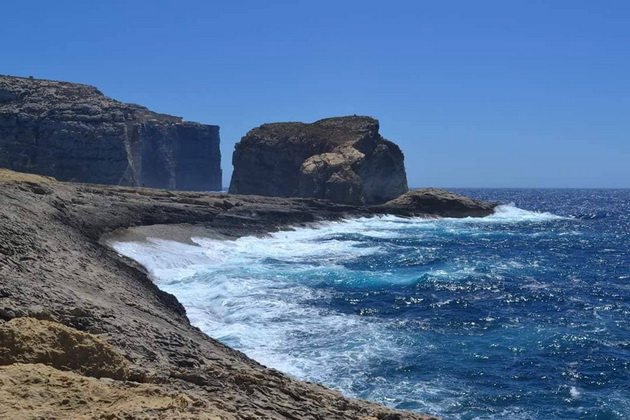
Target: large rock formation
[75, 133]
[342, 159]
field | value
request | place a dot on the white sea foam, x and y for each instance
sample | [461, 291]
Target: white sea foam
[234, 294]
[248, 292]
[511, 213]
[575, 394]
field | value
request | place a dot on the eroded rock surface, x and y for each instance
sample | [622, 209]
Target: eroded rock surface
[37, 391]
[75, 133]
[438, 202]
[342, 159]
[30, 340]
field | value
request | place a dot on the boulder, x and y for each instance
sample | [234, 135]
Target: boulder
[342, 159]
[75, 133]
[438, 202]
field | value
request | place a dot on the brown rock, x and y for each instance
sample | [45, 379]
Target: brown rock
[437, 202]
[343, 159]
[39, 391]
[29, 340]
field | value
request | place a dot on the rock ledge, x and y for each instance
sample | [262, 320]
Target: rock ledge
[438, 202]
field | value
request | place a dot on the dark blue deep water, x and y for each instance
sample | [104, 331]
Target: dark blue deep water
[521, 315]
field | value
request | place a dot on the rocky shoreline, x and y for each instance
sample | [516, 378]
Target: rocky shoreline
[55, 268]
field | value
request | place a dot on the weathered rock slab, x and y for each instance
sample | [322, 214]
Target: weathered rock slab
[30, 340]
[37, 391]
[438, 202]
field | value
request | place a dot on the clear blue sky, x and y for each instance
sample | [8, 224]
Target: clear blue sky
[504, 93]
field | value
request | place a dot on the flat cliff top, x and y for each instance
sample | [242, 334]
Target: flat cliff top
[334, 131]
[66, 101]
[54, 267]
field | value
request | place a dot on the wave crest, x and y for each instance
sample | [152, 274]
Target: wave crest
[511, 213]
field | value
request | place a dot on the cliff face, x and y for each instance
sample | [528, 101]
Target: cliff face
[75, 133]
[342, 159]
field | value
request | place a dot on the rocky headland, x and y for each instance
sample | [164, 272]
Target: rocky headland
[75, 133]
[342, 159]
[85, 333]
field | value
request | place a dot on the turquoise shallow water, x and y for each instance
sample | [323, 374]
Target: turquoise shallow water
[524, 314]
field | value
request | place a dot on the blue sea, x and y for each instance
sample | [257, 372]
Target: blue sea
[524, 314]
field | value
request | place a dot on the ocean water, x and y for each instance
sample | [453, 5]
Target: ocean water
[523, 315]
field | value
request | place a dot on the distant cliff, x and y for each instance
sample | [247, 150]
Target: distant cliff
[342, 159]
[75, 133]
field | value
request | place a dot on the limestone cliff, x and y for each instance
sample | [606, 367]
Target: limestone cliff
[75, 133]
[342, 159]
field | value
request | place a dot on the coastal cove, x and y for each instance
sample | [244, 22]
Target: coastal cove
[58, 275]
[519, 314]
[57, 269]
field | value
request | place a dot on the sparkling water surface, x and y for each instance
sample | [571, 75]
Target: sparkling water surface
[524, 314]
